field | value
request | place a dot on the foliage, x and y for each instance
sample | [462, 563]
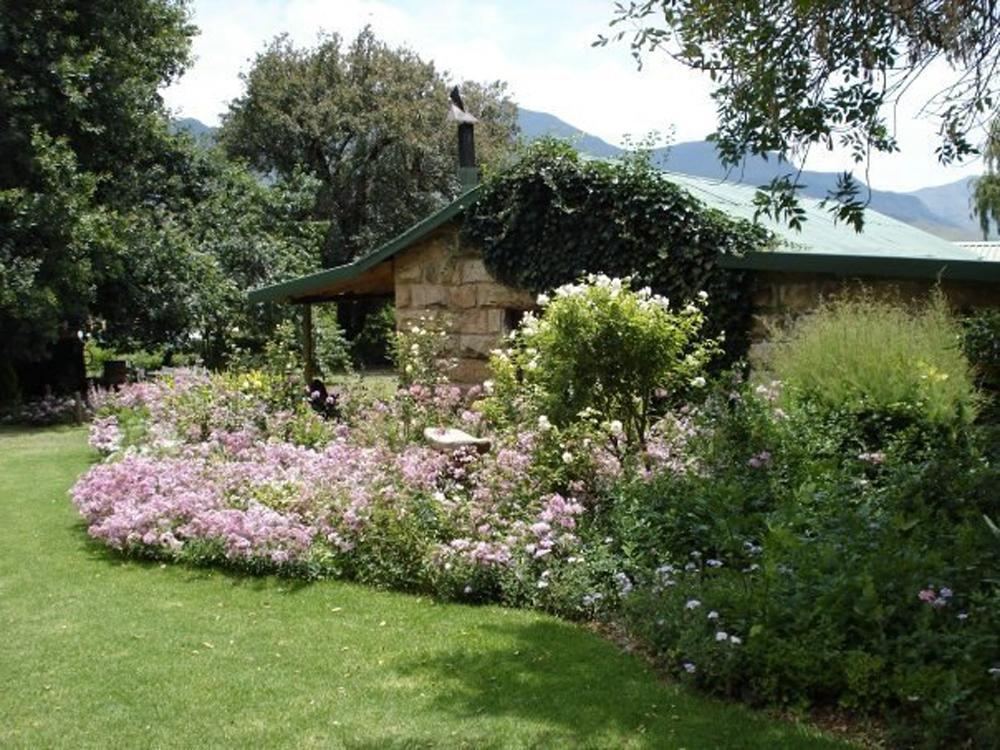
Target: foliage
[874, 356]
[981, 343]
[986, 189]
[558, 365]
[82, 124]
[793, 74]
[555, 216]
[110, 224]
[217, 232]
[50, 233]
[367, 122]
[373, 344]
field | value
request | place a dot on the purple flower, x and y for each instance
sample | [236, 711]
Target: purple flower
[927, 595]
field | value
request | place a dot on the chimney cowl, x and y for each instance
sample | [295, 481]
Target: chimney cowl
[468, 175]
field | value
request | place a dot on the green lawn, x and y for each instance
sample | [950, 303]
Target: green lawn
[103, 652]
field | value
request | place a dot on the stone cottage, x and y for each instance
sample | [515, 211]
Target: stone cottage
[429, 270]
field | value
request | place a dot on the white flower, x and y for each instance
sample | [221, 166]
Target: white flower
[703, 296]
[692, 604]
[698, 382]
[532, 365]
[689, 667]
[415, 349]
[488, 386]
[543, 300]
[690, 309]
[439, 496]
[567, 457]
[735, 640]
[721, 636]
[544, 424]
[616, 427]
[713, 615]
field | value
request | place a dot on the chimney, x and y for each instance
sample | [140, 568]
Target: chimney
[468, 174]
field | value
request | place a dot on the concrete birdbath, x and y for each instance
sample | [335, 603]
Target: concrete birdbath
[449, 439]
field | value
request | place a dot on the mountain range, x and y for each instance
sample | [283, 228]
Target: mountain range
[943, 210]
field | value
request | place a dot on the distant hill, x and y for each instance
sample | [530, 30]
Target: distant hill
[943, 210]
[196, 128]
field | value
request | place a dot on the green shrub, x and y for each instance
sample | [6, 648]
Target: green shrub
[601, 347]
[850, 573]
[863, 354]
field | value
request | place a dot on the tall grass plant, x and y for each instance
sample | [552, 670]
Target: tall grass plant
[862, 353]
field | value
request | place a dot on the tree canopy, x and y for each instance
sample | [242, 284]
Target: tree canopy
[791, 75]
[110, 225]
[369, 122]
[80, 121]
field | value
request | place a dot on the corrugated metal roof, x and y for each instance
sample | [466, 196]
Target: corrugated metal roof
[985, 250]
[882, 236]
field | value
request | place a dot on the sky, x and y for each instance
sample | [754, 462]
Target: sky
[542, 48]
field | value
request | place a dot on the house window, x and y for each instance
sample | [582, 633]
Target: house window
[512, 319]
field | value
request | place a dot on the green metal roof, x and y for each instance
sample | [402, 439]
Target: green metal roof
[306, 286]
[882, 236]
[886, 247]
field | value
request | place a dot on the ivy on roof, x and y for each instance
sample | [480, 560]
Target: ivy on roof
[555, 215]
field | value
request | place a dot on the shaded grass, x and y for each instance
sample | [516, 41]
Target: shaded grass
[101, 651]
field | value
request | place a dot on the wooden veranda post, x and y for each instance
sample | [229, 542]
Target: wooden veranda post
[308, 349]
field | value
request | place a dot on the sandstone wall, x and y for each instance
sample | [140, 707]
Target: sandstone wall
[440, 278]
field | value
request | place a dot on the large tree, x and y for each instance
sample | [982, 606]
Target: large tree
[368, 121]
[111, 225]
[790, 75]
[80, 120]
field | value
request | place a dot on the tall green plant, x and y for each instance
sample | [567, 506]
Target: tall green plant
[866, 354]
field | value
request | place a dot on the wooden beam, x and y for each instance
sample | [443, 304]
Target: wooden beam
[308, 348]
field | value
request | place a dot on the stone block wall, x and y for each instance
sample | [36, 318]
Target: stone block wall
[441, 279]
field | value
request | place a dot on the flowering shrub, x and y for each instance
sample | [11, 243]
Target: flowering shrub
[599, 346]
[238, 469]
[861, 573]
[419, 352]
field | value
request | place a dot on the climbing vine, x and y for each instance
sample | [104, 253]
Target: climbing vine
[556, 215]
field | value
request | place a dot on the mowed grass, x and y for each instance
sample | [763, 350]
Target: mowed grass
[99, 651]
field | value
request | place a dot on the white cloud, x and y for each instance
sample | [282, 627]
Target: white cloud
[543, 50]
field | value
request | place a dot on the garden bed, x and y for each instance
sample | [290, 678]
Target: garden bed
[788, 544]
